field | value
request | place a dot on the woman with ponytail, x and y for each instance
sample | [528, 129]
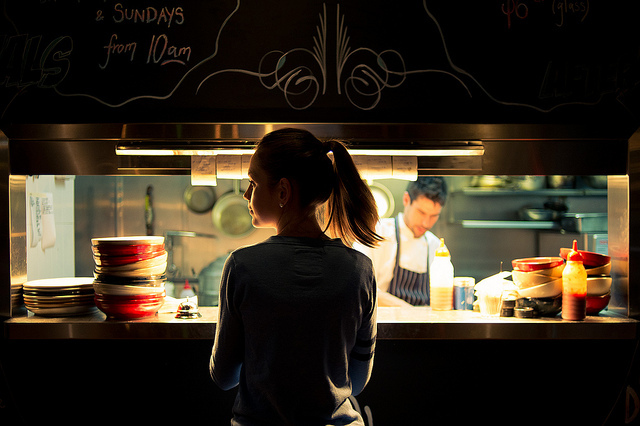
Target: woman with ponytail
[297, 313]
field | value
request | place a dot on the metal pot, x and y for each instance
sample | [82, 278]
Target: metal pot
[199, 199]
[231, 215]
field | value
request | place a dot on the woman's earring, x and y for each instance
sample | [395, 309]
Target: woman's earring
[281, 205]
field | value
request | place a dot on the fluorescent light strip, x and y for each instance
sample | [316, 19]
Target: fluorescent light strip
[239, 151]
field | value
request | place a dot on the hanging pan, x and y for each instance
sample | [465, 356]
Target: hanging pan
[231, 215]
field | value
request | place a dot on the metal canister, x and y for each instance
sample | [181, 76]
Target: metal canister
[463, 293]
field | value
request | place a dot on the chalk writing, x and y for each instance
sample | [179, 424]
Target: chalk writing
[160, 51]
[564, 8]
[119, 49]
[148, 15]
[560, 10]
[23, 63]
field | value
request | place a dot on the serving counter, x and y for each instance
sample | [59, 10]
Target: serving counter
[430, 367]
[393, 323]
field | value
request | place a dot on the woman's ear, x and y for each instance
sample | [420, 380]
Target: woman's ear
[284, 191]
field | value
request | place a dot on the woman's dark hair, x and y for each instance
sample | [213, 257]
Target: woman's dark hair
[434, 188]
[350, 212]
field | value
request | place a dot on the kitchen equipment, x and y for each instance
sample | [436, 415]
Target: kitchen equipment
[595, 304]
[599, 270]
[533, 213]
[597, 182]
[584, 222]
[231, 215]
[589, 259]
[463, 293]
[541, 306]
[489, 293]
[129, 290]
[59, 296]
[188, 309]
[549, 289]
[129, 307]
[384, 199]
[597, 286]
[530, 183]
[540, 264]
[199, 199]
[209, 279]
[561, 182]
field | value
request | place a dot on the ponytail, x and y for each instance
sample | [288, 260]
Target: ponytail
[351, 211]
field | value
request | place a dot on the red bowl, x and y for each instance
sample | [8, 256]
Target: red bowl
[595, 304]
[106, 260]
[119, 299]
[129, 310]
[589, 258]
[531, 264]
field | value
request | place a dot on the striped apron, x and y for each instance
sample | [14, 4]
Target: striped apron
[412, 287]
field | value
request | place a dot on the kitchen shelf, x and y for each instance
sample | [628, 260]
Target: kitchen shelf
[509, 224]
[551, 192]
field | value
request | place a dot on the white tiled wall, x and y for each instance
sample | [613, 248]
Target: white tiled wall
[57, 261]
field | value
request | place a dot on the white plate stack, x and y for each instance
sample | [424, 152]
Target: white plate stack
[58, 297]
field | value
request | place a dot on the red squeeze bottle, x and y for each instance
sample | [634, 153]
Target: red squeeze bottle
[574, 287]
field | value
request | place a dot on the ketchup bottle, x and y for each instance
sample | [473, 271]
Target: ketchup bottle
[574, 287]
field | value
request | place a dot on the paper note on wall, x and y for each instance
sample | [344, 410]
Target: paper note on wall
[43, 226]
[203, 170]
[405, 167]
[229, 166]
[35, 220]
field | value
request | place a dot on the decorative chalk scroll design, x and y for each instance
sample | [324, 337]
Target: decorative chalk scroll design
[286, 71]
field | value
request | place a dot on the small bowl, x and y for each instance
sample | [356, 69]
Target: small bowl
[599, 270]
[598, 286]
[589, 258]
[538, 264]
[595, 304]
[549, 289]
[529, 279]
[542, 306]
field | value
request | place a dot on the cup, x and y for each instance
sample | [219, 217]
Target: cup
[463, 293]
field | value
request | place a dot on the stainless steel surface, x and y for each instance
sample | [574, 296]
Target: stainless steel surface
[5, 216]
[393, 323]
[87, 149]
[584, 222]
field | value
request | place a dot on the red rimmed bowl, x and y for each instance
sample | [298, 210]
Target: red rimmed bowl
[126, 246]
[130, 299]
[129, 310]
[153, 262]
[126, 290]
[589, 258]
[537, 264]
[106, 260]
[595, 304]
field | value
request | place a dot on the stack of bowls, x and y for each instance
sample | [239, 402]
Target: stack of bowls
[59, 297]
[539, 284]
[129, 275]
[598, 268]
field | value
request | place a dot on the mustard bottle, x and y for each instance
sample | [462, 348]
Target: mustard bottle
[441, 280]
[574, 286]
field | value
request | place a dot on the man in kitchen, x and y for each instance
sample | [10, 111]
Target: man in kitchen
[401, 261]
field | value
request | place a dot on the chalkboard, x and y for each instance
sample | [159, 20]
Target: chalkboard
[427, 61]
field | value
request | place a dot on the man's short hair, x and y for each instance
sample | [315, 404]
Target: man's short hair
[434, 188]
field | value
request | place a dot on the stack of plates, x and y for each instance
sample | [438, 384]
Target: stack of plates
[59, 296]
[129, 275]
